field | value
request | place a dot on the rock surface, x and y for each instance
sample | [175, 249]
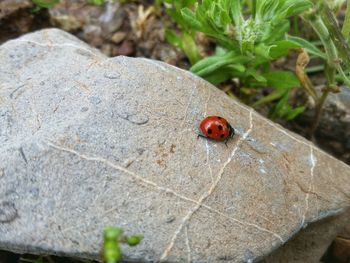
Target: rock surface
[311, 243]
[8, 7]
[87, 141]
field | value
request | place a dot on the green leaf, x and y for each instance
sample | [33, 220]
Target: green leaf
[275, 32]
[190, 17]
[308, 46]
[293, 113]
[190, 48]
[257, 76]
[46, 3]
[134, 240]
[210, 64]
[276, 94]
[283, 80]
[225, 73]
[284, 110]
[263, 51]
[112, 233]
[280, 106]
[295, 7]
[281, 48]
[236, 13]
[172, 38]
[96, 2]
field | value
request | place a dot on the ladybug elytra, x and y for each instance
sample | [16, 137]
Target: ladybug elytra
[216, 128]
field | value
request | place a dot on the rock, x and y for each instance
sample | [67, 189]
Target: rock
[9, 7]
[339, 250]
[112, 18]
[74, 15]
[66, 22]
[118, 37]
[87, 141]
[311, 243]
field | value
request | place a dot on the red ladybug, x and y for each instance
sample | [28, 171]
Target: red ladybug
[216, 128]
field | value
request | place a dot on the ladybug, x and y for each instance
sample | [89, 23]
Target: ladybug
[216, 128]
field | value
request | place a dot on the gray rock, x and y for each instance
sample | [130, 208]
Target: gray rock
[9, 7]
[311, 243]
[88, 141]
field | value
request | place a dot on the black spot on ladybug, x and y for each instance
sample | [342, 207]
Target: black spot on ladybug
[220, 127]
[222, 135]
[210, 131]
[219, 118]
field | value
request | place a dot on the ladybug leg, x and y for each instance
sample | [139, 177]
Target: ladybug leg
[231, 134]
[232, 131]
[227, 141]
[200, 135]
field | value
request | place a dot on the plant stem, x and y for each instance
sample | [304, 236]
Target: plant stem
[322, 31]
[318, 111]
[336, 36]
[346, 26]
[331, 83]
[331, 65]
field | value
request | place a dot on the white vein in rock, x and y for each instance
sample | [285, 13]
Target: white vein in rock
[311, 185]
[209, 192]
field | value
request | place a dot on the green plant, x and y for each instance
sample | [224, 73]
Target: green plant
[186, 38]
[251, 34]
[51, 3]
[336, 56]
[39, 259]
[248, 45]
[113, 237]
[39, 4]
[96, 2]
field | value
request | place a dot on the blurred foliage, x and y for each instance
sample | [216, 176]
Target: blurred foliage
[251, 35]
[113, 237]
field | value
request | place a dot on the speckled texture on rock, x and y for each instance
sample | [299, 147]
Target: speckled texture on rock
[88, 141]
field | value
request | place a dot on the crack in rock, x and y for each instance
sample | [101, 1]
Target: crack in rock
[311, 185]
[209, 192]
[121, 169]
